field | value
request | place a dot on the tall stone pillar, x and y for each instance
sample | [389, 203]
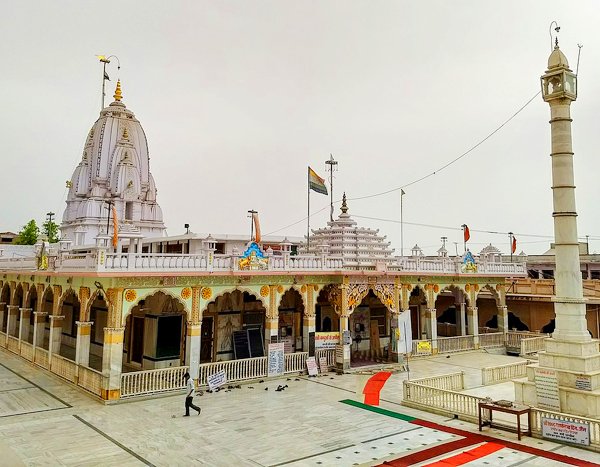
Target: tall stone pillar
[192, 349]
[112, 363]
[39, 328]
[24, 324]
[424, 329]
[271, 330]
[82, 346]
[55, 334]
[473, 319]
[344, 362]
[502, 318]
[11, 321]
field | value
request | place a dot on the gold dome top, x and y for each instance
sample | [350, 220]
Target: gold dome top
[118, 95]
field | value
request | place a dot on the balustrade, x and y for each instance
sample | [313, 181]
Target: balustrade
[443, 401]
[13, 344]
[594, 425]
[493, 339]
[501, 373]
[152, 381]
[41, 358]
[532, 345]
[450, 381]
[27, 351]
[64, 368]
[90, 380]
[295, 362]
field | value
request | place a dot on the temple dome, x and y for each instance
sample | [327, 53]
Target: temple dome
[557, 59]
[114, 167]
[358, 246]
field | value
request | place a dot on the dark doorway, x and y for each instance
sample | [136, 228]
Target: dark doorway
[137, 347]
[206, 340]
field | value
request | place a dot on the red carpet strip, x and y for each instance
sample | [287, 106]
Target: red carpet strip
[468, 456]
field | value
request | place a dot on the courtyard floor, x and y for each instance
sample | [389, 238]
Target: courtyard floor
[313, 422]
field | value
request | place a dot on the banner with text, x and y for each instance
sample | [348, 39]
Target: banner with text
[326, 340]
[276, 359]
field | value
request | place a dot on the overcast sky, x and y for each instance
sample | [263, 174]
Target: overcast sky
[238, 97]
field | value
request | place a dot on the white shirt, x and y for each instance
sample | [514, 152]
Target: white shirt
[190, 387]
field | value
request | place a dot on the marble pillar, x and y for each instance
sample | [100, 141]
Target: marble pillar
[473, 317]
[3, 314]
[112, 363]
[82, 349]
[11, 321]
[502, 319]
[271, 330]
[431, 316]
[39, 325]
[24, 324]
[308, 326]
[461, 321]
[192, 349]
[55, 334]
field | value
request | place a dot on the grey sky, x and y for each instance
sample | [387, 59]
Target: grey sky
[237, 98]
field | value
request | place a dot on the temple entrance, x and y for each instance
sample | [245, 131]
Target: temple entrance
[5, 298]
[206, 339]
[155, 334]
[32, 305]
[291, 312]
[370, 331]
[15, 320]
[98, 315]
[70, 310]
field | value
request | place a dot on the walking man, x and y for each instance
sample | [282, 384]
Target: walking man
[189, 395]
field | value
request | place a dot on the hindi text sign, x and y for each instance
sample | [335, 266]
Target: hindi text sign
[566, 431]
[276, 363]
[216, 380]
[311, 366]
[546, 388]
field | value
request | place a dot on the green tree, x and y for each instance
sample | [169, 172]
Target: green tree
[28, 234]
[50, 230]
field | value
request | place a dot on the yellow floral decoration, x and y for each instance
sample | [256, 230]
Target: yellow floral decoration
[206, 293]
[280, 288]
[186, 293]
[130, 295]
[264, 291]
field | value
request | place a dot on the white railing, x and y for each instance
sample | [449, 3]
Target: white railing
[64, 368]
[329, 354]
[514, 338]
[449, 403]
[455, 344]
[13, 344]
[41, 358]
[419, 350]
[27, 351]
[501, 373]
[594, 424]
[2, 339]
[295, 362]
[495, 339]
[90, 380]
[235, 370]
[152, 381]
[100, 259]
[532, 345]
[449, 382]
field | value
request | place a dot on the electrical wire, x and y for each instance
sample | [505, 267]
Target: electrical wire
[420, 179]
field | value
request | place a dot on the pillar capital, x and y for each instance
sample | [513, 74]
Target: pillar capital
[40, 313]
[13, 307]
[56, 317]
[84, 324]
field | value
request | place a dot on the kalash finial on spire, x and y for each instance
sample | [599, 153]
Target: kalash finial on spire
[118, 95]
[344, 207]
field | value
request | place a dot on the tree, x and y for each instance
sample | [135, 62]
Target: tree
[28, 234]
[50, 230]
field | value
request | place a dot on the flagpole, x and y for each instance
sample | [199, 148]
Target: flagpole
[401, 225]
[308, 217]
[464, 226]
[510, 237]
[104, 62]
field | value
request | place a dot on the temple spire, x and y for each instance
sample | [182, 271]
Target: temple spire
[344, 207]
[118, 95]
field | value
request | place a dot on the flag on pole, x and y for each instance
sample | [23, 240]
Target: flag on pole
[466, 233]
[115, 238]
[316, 183]
[256, 227]
[514, 244]
[106, 76]
[402, 192]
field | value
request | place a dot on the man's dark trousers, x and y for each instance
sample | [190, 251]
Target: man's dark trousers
[189, 403]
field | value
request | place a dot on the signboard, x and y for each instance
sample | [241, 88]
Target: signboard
[546, 388]
[423, 347]
[323, 366]
[583, 382]
[339, 354]
[347, 338]
[311, 366]
[326, 340]
[565, 431]
[216, 380]
[276, 359]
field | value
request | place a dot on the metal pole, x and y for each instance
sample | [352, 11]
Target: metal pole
[331, 163]
[308, 216]
[510, 240]
[252, 212]
[401, 224]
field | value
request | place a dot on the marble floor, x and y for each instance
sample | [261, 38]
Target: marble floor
[46, 421]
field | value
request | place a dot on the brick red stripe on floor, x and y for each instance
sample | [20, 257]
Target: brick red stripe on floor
[468, 456]
[430, 453]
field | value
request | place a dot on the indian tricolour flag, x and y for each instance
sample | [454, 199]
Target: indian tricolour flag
[316, 183]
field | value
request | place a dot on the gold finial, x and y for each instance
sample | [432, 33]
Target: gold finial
[125, 133]
[118, 95]
[344, 207]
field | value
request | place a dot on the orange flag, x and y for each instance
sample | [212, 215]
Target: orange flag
[466, 233]
[514, 244]
[256, 227]
[115, 238]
